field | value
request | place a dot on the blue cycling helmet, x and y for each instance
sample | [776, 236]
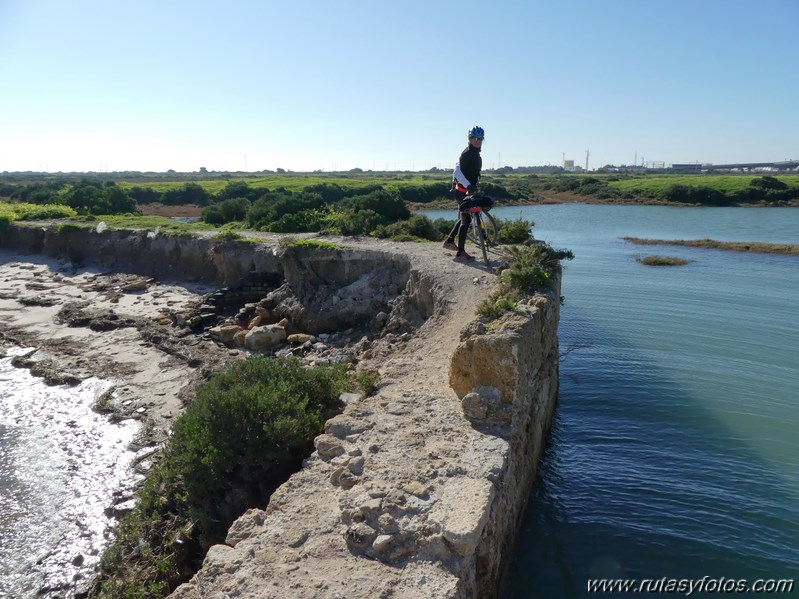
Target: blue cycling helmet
[477, 132]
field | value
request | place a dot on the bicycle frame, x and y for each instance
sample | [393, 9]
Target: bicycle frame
[478, 235]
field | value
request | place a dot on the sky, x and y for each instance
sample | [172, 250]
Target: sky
[309, 85]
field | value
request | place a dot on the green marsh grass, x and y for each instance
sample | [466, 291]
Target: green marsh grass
[791, 249]
[657, 260]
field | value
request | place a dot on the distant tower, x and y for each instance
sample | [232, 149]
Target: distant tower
[587, 154]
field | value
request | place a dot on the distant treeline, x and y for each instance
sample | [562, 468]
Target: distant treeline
[765, 189]
[324, 206]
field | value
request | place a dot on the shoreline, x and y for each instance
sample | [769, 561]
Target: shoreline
[103, 338]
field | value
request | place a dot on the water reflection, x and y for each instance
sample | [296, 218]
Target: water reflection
[60, 465]
[641, 480]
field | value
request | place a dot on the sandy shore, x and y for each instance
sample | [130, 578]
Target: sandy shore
[115, 326]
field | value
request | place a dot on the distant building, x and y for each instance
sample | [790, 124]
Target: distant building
[691, 167]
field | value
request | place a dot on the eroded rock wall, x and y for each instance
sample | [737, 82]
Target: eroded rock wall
[507, 379]
[410, 493]
[181, 257]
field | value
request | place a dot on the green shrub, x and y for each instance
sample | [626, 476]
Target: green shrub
[355, 222]
[527, 269]
[46, 212]
[444, 225]
[246, 432]
[228, 236]
[531, 267]
[689, 194]
[656, 260]
[388, 204]
[768, 183]
[276, 204]
[6, 220]
[515, 231]
[499, 302]
[95, 197]
[308, 243]
[188, 193]
[230, 210]
[67, 228]
[300, 222]
[367, 381]
[416, 228]
[247, 429]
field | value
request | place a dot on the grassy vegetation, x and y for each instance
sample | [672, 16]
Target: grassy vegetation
[652, 186]
[359, 203]
[299, 181]
[245, 433]
[515, 231]
[150, 223]
[791, 249]
[308, 243]
[28, 211]
[657, 260]
[527, 269]
[229, 236]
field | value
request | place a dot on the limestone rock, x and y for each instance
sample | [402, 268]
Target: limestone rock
[416, 488]
[328, 446]
[256, 322]
[361, 535]
[342, 426]
[240, 338]
[356, 465]
[246, 526]
[474, 406]
[264, 337]
[301, 338]
[225, 334]
[464, 509]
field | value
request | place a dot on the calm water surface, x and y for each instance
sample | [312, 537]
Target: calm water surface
[60, 465]
[674, 451]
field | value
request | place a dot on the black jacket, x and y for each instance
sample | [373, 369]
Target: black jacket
[471, 164]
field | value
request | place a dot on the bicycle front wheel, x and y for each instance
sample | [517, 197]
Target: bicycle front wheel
[489, 227]
[483, 242]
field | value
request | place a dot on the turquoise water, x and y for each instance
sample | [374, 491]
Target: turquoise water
[674, 450]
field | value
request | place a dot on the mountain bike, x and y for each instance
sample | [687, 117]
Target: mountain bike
[483, 230]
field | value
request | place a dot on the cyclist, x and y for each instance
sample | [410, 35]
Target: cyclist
[464, 182]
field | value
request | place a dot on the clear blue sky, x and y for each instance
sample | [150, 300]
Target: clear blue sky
[303, 85]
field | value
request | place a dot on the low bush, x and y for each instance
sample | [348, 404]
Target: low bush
[6, 220]
[690, 194]
[416, 228]
[246, 432]
[444, 225]
[531, 267]
[498, 303]
[29, 211]
[515, 231]
[354, 222]
[527, 269]
[308, 243]
[230, 210]
[657, 260]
